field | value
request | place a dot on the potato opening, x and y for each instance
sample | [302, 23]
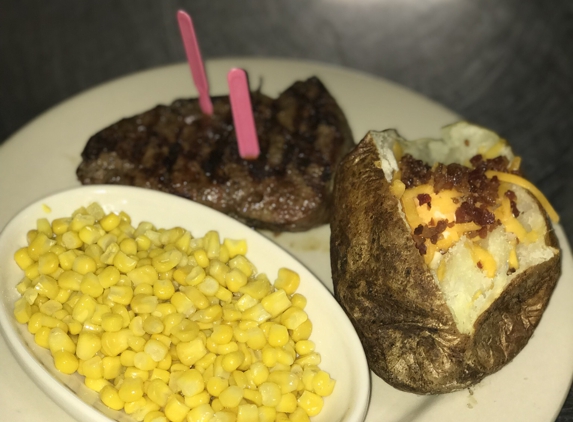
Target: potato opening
[475, 231]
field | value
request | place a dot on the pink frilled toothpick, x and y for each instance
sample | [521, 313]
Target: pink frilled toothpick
[245, 130]
[195, 61]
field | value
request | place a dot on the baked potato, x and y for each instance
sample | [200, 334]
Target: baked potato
[443, 255]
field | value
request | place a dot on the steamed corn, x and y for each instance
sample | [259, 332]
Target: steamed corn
[166, 326]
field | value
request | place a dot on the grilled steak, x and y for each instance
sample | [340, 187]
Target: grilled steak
[303, 134]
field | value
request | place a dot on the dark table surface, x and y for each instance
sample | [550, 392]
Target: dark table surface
[504, 64]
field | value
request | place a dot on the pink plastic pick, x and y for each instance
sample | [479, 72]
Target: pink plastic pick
[243, 114]
[195, 61]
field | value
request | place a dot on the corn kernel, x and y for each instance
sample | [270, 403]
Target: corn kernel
[109, 277]
[110, 397]
[162, 374]
[201, 257]
[231, 396]
[110, 222]
[163, 289]
[88, 344]
[92, 368]
[156, 349]
[96, 384]
[235, 279]
[201, 413]
[48, 263]
[135, 406]
[155, 416]
[175, 409]
[111, 366]
[91, 286]
[47, 286]
[197, 298]
[257, 288]
[65, 362]
[302, 332]
[120, 294]
[190, 352]
[22, 310]
[41, 337]
[144, 361]
[40, 245]
[113, 343]
[70, 280]
[167, 260]
[84, 308]
[312, 358]
[287, 280]
[71, 240]
[158, 391]
[131, 389]
[61, 225]
[124, 263]
[235, 247]
[89, 235]
[195, 276]
[311, 403]
[253, 396]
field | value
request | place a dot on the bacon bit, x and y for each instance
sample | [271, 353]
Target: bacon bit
[418, 230]
[424, 198]
[510, 271]
[480, 265]
[510, 195]
[514, 210]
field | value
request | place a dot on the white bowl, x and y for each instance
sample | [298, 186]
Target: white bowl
[336, 340]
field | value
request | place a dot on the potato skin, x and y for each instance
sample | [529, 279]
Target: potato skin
[380, 279]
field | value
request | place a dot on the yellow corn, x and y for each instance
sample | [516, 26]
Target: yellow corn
[47, 286]
[143, 361]
[110, 222]
[201, 413]
[137, 308]
[88, 344]
[22, 310]
[287, 280]
[90, 285]
[175, 409]
[40, 245]
[71, 240]
[48, 263]
[110, 397]
[158, 391]
[190, 352]
[311, 403]
[303, 331]
[156, 349]
[276, 303]
[131, 389]
[267, 414]
[163, 289]
[235, 247]
[92, 368]
[257, 288]
[155, 416]
[231, 396]
[65, 362]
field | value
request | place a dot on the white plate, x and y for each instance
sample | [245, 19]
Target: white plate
[340, 349]
[42, 158]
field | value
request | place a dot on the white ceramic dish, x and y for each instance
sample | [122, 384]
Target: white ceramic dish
[42, 157]
[334, 335]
